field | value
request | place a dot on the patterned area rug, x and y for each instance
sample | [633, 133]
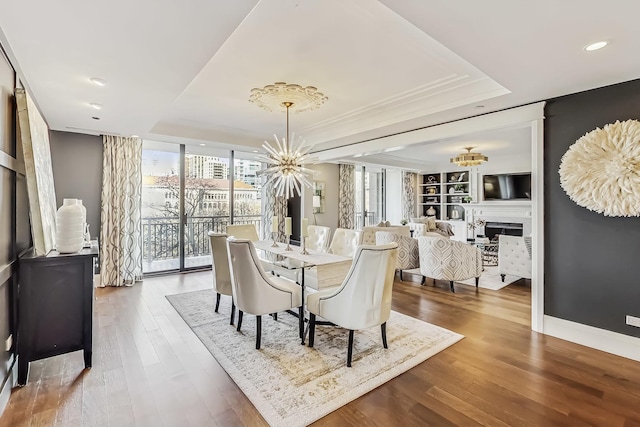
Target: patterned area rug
[491, 279]
[294, 385]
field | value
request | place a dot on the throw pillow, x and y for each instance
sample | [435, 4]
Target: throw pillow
[445, 227]
[387, 224]
[431, 223]
[380, 224]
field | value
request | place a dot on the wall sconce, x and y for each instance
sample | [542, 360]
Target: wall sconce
[318, 199]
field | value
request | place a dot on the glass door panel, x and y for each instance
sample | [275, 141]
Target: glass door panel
[373, 195]
[370, 200]
[160, 206]
[360, 191]
[247, 191]
[206, 201]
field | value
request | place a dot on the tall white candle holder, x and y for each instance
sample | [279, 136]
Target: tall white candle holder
[288, 248]
[304, 247]
[275, 244]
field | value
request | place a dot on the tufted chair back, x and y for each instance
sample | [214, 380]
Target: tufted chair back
[513, 256]
[243, 231]
[318, 238]
[369, 232]
[345, 242]
[408, 255]
[220, 264]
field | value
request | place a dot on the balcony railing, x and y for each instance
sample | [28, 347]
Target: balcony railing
[370, 218]
[161, 234]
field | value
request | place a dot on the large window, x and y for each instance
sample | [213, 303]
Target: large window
[370, 195]
[187, 193]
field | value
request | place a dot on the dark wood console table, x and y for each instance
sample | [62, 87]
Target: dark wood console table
[55, 306]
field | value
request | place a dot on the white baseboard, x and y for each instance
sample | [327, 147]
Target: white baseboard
[5, 393]
[600, 339]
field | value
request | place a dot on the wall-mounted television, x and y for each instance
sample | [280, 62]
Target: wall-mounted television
[507, 186]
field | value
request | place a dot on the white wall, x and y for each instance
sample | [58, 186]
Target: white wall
[329, 174]
[394, 196]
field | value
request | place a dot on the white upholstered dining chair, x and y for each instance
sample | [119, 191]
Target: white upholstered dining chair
[220, 267]
[318, 238]
[364, 298]
[345, 242]
[243, 231]
[254, 291]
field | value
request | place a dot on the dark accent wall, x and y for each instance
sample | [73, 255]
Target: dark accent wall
[14, 217]
[77, 172]
[592, 264]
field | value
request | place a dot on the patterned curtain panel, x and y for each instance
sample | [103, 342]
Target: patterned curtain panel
[409, 180]
[120, 216]
[273, 205]
[347, 197]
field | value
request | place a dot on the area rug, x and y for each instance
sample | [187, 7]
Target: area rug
[491, 279]
[294, 385]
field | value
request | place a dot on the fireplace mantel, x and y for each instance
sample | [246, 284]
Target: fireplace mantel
[501, 212]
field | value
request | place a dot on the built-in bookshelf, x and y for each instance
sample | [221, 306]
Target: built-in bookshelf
[445, 194]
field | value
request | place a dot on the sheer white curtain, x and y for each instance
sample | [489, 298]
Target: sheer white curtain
[120, 216]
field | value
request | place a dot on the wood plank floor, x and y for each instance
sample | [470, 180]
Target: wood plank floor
[149, 369]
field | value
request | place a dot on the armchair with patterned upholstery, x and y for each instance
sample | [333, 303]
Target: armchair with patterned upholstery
[446, 259]
[514, 256]
[408, 255]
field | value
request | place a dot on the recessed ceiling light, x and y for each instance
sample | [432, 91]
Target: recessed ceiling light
[255, 151]
[98, 81]
[479, 106]
[96, 106]
[135, 136]
[95, 118]
[595, 46]
[202, 145]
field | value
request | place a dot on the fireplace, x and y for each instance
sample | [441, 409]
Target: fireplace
[493, 229]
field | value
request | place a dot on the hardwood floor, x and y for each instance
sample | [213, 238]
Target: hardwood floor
[149, 369]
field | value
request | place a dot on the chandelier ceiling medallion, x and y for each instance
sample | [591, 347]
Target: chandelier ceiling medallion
[469, 159]
[287, 156]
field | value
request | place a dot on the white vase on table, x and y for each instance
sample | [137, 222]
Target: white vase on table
[70, 219]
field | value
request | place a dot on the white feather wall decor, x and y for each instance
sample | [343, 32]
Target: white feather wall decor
[601, 170]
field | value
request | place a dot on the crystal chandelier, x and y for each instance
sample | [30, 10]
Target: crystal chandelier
[469, 159]
[287, 156]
